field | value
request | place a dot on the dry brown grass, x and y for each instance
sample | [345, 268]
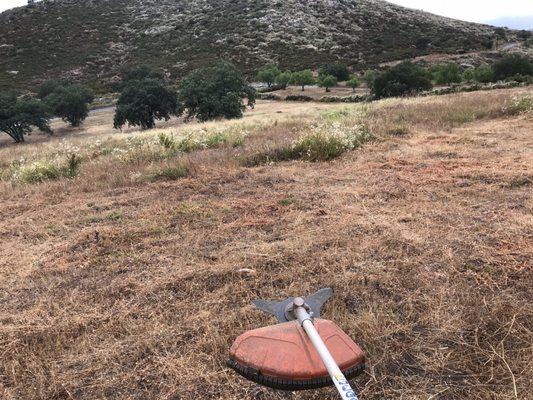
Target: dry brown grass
[112, 287]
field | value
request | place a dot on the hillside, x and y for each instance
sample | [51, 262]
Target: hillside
[91, 40]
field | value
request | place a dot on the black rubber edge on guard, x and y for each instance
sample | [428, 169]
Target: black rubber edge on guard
[289, 384]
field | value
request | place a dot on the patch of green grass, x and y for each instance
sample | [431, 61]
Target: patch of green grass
[283, 153]
[318, 146]
[168, 173]
[457, 116]
[289, 200]
[113, 216]
[194, 142]
[167, 141]
[335, 115]
[323, 143]
[46, 170]
[520, 105]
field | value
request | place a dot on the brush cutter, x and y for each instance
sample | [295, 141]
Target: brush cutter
[301, 352]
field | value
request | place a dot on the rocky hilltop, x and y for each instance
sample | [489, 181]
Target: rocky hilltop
[90, 40]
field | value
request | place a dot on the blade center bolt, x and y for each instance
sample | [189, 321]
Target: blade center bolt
[298, 302]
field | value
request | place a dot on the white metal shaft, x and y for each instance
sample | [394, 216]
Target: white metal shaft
[338, 378]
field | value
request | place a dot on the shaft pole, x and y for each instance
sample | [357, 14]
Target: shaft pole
[338, 378]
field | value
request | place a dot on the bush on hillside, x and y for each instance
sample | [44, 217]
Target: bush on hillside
[215, 92]
[270, 89]
[298, 97]
[137, 73]
[283, 79]
[144, 101]
[353, 83]
[403, 79]
[327, 81]
[70, 103]
[303, 78]
[51, 86]
[482, 74]
[338, 70]
[268, 74]
[445, 74]
[524, 34]
[512, 64]
[18, 116]
[369, 78]
[267, 96]
[140, 73]
[345, 99]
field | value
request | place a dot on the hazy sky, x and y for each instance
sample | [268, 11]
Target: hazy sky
[470, 10]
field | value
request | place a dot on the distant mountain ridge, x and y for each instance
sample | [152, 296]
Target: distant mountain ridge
[524, 22]
[91, 40]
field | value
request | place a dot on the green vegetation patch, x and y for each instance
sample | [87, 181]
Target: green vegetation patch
[325, 142]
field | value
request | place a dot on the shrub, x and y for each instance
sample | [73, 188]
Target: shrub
[268, 96]
[19, 115]
[369, 78]
[338, 70]
[326, 142]
[345, 99]
[403, 79]
[169, 173]
[422, 43]
[194, 142]
[283, 79]
[70, 103]
[141, 150]
[214, 92]
[167, 141]
[298, 97]
[41, 171]
[143, 101]
[270, 89]
[512, 64]
[38, 172]
[501, 32]
[51, 86]
[524, 34]
[353, 83]
[469, 75]
[327, 81]
[268, 74]
[139, 73]
[318, 146]
[520, 78]
[303, 78]
[484, 74]
[445, 74]
[520, 105]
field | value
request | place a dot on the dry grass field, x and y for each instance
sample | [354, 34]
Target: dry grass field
[130, 276]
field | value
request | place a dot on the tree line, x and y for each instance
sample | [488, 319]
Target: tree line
[402, 79]
[328, 77]
[221, 91]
